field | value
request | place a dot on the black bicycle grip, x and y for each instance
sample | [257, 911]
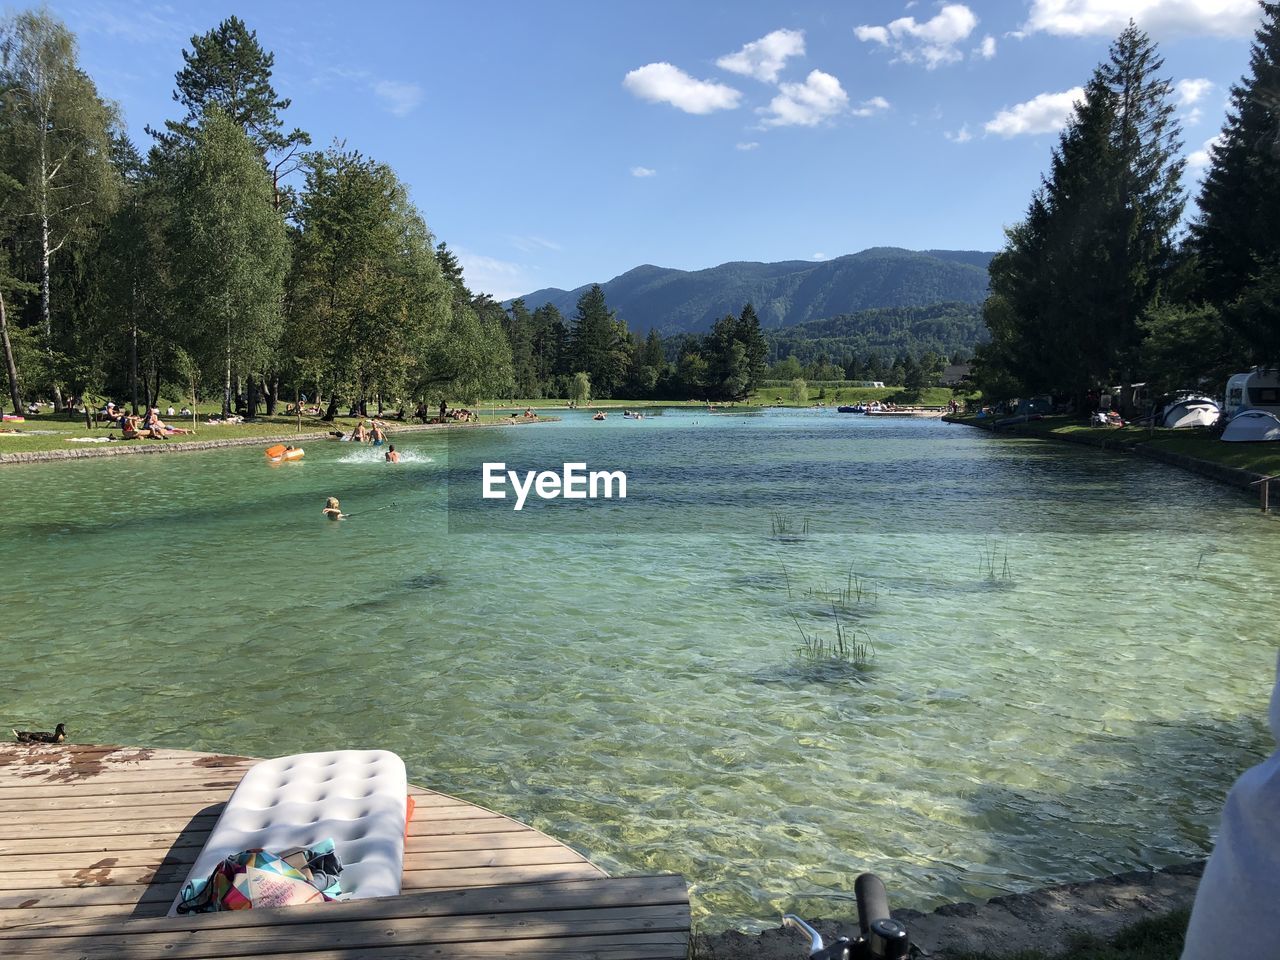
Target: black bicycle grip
[873, 901]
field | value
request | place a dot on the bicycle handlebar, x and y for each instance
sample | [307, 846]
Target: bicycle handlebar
[882, 937]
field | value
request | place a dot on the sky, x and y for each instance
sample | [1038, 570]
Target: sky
[562, 142]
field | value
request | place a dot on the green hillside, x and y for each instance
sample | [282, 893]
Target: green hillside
[787, 293]
[943, 329]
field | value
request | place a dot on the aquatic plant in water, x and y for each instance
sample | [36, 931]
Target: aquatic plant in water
[852, 595]
[850, 647]
[993, 562]
[784, 528]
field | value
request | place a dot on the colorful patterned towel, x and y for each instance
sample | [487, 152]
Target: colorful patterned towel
[256, 878]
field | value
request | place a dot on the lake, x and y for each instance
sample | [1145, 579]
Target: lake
[1068, 653]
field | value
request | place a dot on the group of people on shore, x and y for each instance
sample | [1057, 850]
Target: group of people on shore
[149, 427]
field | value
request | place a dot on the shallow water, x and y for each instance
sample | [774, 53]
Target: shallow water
[1072, 651]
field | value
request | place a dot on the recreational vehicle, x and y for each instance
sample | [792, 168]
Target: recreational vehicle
[1257, 390]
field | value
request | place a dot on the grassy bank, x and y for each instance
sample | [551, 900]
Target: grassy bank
[1263, 458]
[48, 431]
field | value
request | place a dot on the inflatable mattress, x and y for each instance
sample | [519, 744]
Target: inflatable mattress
[357, 798]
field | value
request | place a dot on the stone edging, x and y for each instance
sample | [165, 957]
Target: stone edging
[1232, 476]
[123, 448]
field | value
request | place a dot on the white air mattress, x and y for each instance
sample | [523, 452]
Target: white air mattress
[355, 797]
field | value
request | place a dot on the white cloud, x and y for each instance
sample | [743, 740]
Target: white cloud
[501, 279]
[399, 98]
[932, 42]
[806, 104]
[751, 145]
[643, 172]
[1198, 160]
[1076, 18]
[1042, 114]
[765, 58]
[664, 83]
[818, 256]
[987, 49]
[868, 107]
[960, 136]
[1192, 90]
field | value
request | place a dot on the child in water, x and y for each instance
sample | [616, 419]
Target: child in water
[332, 510]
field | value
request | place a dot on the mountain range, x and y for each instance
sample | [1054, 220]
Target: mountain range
[786, 293]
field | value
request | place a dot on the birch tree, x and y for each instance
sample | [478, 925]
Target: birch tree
[57, 131]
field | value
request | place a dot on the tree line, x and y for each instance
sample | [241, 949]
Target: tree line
[1103, 282]
[231, 260]
[552, 357]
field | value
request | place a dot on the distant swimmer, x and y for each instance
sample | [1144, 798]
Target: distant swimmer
[392, 456]
[332, 510]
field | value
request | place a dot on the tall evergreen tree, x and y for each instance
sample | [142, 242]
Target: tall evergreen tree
[599, 343]
[231, 254]
[1075, 279]
[228, 67]
[1237, 235]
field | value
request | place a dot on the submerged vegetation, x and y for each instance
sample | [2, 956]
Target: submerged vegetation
[844, 646]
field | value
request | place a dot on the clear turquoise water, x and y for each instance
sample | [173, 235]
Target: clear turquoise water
[630, 683]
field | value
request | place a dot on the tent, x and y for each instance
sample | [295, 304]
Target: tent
[1190, 412]
[1252, 426]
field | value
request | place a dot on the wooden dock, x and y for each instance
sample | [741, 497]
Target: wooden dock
[95, 841]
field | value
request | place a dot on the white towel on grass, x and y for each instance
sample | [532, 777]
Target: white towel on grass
[1237, 908]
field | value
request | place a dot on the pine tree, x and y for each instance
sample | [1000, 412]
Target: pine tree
[1075, 279]
[228, 67]
[599, 343]
[748, 332]
[1237, 237]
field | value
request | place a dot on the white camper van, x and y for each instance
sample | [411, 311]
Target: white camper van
[1257, 390]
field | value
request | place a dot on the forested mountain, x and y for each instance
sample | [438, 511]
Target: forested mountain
[944, 329]
[786, 293]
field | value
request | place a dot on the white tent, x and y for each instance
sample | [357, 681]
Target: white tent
[1252, 426]
[1190, 412]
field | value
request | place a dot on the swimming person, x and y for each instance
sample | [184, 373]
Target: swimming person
[332, 510]
[392, 456]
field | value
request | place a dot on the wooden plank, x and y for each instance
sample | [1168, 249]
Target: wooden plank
[102, 873]
[649, 923]
[216, 781]
[22, 828]
[50, 776]
[83, 800]
[629, 946]
[70, 898]
[432, 860]
[105, 875]
[517, 836]
[551, 895]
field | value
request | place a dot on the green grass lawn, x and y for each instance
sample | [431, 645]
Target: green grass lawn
[49, 431]
[1261, 458]
[1157, 939]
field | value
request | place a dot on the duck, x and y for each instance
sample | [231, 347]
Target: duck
[41, 736]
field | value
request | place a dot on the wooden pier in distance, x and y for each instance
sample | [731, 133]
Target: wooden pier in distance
[95, 842]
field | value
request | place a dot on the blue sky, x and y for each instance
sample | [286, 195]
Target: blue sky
[558, 143]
